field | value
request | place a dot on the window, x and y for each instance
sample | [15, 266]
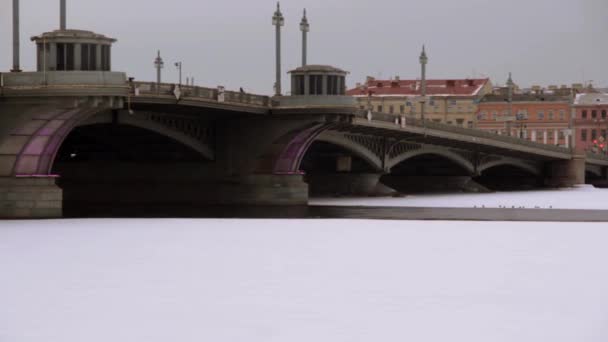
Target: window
[550, 134]
[584, 114]
[594, 114]
[561, 135]
[92, 57]
[593, 134]
[469, 124]
[315, 85]
[402, 109]
[562, 114]
[452, 102]
[459, 122]
[603, 133]
[332, 85]
[299, 85]
[551, 115]
[60, 56]
[539, 135]
[391, 109]
[604, 114]
[583, 135]
[541, 115]
[494, 115]
[379, 109]
[69, 57]
[505, 113]
[84, 57]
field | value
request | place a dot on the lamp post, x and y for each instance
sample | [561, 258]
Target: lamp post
[521, 125]
[278, 21]
[423, 61]
[304, 27]
[62, 25]
[179, 67]
[16, 67]
[510, 105]
[158, 64]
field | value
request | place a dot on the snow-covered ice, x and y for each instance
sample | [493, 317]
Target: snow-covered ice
[302, 280]
[581, 197]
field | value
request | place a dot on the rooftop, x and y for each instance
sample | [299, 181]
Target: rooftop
[587, 99]
[319, 68]
[525, 98]
[436, 87]
[70, 34]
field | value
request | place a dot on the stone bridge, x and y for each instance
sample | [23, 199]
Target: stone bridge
[99, 141]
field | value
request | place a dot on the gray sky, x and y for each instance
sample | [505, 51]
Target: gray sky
[231, 42]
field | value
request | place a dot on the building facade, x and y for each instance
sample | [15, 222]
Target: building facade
[447, 101]
[536, 117]
[591, 124]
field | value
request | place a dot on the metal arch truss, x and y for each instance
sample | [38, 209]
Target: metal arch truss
[384, 153]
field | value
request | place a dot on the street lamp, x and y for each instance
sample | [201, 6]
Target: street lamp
[305, 28]
[158, 64]
[520, 117]
[510, 99]
[423, 61]
[278, 21]
[179, 67]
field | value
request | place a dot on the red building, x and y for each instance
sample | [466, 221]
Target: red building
[541, 118]
[590, 122]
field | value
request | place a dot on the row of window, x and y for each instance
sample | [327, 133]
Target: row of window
[335, 85]
[593, 114]
[430, 109]
[66, 58]
[523, 115]
[594, 133]
[524, 133]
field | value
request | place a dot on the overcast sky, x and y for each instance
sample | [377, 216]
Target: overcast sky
[231, 42]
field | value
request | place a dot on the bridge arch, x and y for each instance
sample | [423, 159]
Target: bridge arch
[445, 153]
[136, 121]
[36, 138]
[534, 170]
[594, 170]
[357, 149]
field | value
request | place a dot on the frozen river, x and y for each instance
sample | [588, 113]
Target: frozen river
[311, 280]
[302, 280]
[582, 197]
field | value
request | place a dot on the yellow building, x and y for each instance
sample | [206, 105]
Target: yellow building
[448, 101]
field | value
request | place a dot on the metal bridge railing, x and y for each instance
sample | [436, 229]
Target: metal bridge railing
[597, 156]
[467, 131]
[211, 94]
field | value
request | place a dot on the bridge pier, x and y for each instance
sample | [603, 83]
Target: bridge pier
[347, 184]
[30, 197]
[261, 189]
[566, 173]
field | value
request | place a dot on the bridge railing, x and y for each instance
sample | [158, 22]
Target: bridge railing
[597, 156]
[467, 131]
[203, 93]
